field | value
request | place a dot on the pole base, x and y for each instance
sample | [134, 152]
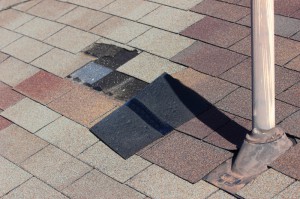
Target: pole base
[259, 150]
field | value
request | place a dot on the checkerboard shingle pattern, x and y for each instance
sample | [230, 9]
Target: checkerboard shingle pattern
[49, 35]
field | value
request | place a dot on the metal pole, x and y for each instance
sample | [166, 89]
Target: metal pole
[263, 61]
[266, 142]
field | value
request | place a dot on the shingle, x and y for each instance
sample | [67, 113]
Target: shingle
[110, 163]
[159, 183]
[180, 154]
[267, 185]
[55, 167]
[171, 19]
[148, 67]
[11, 176]
[67, 135]
[97, 185]
[44, 87]
[30, 115]
[18, 144]
[221, 10]
[119, 29]
[289, 162]
[161, 43]
[216, 31]
[130, 9]
[202, 57]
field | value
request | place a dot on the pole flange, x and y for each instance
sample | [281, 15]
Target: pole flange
[260, 149]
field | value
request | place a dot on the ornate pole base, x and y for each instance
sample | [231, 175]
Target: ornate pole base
[258, 151]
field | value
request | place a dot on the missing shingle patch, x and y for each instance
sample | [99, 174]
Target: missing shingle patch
[90, 73]
[110, 55]
[119, 85]
[101, 74]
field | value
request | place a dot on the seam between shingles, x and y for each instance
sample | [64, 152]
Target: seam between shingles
[162, 4]
[148, 28]
[16, 4]
[75, 157]
[30, 6]
[107, 5]
[138, 172]
[19, 166]
[10, 43]
[287, 186]
[288, 87]
[111, 16]
[18, 185]
[150, 11]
